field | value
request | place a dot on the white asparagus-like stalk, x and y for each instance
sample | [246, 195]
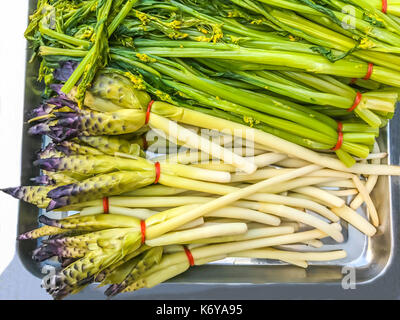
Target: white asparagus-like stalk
[270, 253]
[192, 224]
[157, 190]
[245, 214]
[292, 163]
[267, 159]
[155, 278]
[370, 185]
[368, 201]
[177, 248]
[303, 217]
[298, 183]
[195, 173]
[297, 263]
[263, 174]
[294, 225]
[165, 215]
[223, 201]
[152, 202]
[256, 233]
[343, 193]
[186, 157]
[375, 156]
[307, 197]
[260, 161]
[203, 232]
[141, 214]
[174, 130]
[207, 251]
[356, 220]
[338, 184]
[325, 196]
[227, 248]
[152, 278]
[314, 243]
[289, 201]
[283, 146]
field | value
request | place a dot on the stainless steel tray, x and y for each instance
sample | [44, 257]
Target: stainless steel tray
[376, 260]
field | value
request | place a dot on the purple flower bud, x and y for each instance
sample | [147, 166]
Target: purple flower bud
[25, 236]
[45, 252]
[42, 110]
[49, 222]
[63, 191]
[64, 148]
[57, 203]
[49, 164]
[65, 71]
[17, 192]
[44, 180]
[39, 129]
[59, 133]
[47, 151]
[61, 101]
[70, 120]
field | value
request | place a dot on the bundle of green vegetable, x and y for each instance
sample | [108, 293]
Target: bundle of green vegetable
[304, 86]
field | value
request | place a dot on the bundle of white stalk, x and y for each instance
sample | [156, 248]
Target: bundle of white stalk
[240, 200]
[295, 196]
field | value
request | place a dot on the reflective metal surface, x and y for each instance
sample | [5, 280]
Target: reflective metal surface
[376, 260]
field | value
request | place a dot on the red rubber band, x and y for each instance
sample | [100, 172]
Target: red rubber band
[189, 256]
[384, 6]
[106, 205]
[356, 102]
[370, 70]
[143, 230]
[339, 142]
[148, 111]
[158, 172]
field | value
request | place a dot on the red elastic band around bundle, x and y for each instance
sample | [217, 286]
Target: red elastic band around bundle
[148, 111]
[339, 142]
[356, 102]
[369, 72]
[384, 6]
[106, 205]
[143, 230]
[158, 172]
[189, 256]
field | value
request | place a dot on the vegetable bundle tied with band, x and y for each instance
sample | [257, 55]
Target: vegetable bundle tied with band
[291, 94]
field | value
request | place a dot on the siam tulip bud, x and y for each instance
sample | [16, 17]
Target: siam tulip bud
[73, 148]
[98, 187]
[47, 251]
[41, 232]
[36, 195]
[137, 267]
